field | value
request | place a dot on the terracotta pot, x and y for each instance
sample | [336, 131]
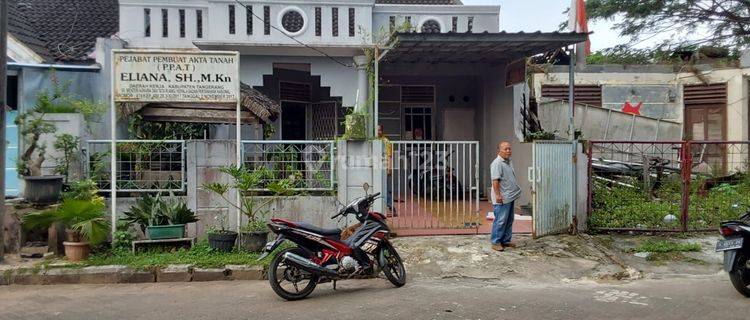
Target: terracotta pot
[76, 251]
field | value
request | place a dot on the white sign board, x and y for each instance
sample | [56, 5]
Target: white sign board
[152, 76]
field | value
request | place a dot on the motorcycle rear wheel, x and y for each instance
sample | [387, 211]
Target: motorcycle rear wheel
[740, 277]
[279, 271]
[393, 267]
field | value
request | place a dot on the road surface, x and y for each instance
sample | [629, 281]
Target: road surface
[698, 297]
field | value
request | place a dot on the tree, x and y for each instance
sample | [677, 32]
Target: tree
[727, 22]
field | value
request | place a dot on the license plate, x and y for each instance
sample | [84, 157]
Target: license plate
[729, 244]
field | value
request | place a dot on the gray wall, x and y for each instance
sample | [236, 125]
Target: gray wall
[498, 123]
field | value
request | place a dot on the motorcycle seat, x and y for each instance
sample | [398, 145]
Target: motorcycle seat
[336, 232]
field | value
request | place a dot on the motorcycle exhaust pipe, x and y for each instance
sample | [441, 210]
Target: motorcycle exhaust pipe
[308, 265]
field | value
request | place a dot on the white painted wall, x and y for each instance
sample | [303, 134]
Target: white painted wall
[486, 18]
[342, 80]
[369, 19]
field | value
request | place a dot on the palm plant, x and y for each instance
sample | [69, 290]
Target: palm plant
[155, 211]
[146, 211]
[86, 219]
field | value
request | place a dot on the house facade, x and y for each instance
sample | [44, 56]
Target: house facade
[440, 77]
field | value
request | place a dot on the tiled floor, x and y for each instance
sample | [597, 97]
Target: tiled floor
[426, 217]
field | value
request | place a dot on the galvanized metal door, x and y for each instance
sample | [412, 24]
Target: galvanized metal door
[552, 187]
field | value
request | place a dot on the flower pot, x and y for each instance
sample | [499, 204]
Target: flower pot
[42, 189]
[253, 241]
[222, 241]
[76, 251]
[171, 231]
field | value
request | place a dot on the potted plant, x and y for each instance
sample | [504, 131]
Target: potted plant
[160, 219]
[219, 237]
[254, 233]
[38, 189]
[85, 221]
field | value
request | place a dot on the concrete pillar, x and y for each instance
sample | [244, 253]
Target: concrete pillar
[362, 83]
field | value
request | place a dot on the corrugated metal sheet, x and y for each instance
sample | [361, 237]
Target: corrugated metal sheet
[552, 187]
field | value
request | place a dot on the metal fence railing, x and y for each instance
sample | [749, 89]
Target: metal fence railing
[434, 185]
[307, 165]
[141, 165]
[667, 186]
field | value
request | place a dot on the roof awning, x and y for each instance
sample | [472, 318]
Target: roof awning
[490, 48]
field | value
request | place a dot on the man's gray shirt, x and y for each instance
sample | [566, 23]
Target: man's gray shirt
[502, 170]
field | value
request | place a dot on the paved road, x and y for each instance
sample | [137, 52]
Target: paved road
[710, 297]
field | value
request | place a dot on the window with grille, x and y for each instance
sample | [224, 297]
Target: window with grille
[408, 22]
[182, 23]
[454, 26]
[470, 25]
[392, 23]
[199, 23]
[584, 94]
[335, 21]
[352, 23]
[292, 21]
[417, 103]
[318, 29]
[430, 26]
[231, 20]
[266, 20]
[249, 19]
[146, 22]
[164, 23]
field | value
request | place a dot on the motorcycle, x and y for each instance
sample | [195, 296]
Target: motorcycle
[321, 256]
[736, 248]
[433, 178]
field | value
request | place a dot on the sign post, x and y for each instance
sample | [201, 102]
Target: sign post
[161, 76]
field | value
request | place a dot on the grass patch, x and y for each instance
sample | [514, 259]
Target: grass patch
[200, 255]
[618, 206]
[665, 246]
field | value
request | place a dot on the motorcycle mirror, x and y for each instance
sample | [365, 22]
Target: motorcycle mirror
[366, 186]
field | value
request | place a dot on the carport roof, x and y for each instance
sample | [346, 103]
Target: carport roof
[492, 48]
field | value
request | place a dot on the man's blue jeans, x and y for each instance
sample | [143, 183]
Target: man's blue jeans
[502, 227]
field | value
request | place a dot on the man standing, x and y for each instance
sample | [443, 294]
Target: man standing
[505, 191]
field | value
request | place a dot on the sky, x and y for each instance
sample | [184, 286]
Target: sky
[546, 15]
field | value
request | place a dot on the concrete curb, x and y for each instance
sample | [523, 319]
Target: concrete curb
[123, 274]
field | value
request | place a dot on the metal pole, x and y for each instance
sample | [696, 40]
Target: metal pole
[238, 137]
[571, 128]
[376, 92]
[113, 146]
[3, 86]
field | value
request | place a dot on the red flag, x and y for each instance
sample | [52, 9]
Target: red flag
[578, 21]
[582, 21]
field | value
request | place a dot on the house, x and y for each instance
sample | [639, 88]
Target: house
[702, 102]
[54, 42]
[449, 87]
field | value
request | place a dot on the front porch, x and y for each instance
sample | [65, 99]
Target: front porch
[446, 101]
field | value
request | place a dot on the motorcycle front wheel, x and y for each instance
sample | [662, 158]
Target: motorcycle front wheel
[740, 277]
[288, 281]
[392, 266]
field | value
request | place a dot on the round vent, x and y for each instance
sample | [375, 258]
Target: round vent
[292, 21]
[431, 26]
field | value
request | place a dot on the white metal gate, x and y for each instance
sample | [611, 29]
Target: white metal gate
[434, 185]
[552, 187]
